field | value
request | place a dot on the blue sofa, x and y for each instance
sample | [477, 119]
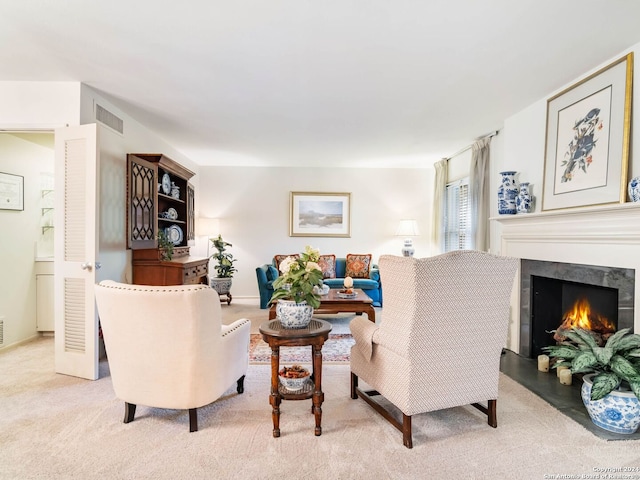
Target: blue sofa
[372, 286]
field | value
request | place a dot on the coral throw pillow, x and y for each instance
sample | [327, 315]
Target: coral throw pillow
[279, 258]
[358, 265]
[328, 265]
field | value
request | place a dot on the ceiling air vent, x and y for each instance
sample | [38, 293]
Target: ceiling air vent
[110, 120]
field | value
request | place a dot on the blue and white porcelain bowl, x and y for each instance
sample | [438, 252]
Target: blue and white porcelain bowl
[618, 412]
[634, 189]
[294, 384]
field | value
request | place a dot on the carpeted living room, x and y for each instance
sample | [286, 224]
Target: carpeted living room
[456, 179]
[57, 426]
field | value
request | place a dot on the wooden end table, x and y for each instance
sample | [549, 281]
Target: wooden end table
[332, 303]
[315, 334]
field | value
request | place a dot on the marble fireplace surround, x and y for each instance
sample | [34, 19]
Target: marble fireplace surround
[607, 236]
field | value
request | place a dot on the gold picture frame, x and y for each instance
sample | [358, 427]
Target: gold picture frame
[320, 214]
[587, 140]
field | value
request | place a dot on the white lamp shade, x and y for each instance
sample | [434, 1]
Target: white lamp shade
[207, 227]
[407, 228]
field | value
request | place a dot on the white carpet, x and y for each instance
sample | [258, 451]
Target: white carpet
[59, 427]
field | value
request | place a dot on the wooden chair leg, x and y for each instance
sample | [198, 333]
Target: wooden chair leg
[354, 385]
[129, 412]
[490, 410]
[240, 387]
[193, 420]
[492, 418]
[406, 431]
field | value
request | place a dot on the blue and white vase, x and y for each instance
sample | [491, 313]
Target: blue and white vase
[634, 189]
[617, 412]
[507, 193]
[524, 200]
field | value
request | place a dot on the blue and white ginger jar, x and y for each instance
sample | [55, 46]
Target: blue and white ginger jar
[634, 189]
[524, 200]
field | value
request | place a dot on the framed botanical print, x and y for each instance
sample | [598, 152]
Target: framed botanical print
[587, 140]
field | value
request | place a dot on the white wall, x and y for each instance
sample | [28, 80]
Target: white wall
[27, 155]
[588, 235]
[253, 207]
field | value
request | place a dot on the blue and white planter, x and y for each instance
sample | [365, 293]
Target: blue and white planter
[618, 412]
[507, 193]
[292, 314]
[634, 189]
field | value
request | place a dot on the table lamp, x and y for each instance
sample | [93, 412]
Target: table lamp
[408, 229]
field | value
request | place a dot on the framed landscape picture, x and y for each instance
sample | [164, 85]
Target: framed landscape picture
[587, 140]
[318, 214]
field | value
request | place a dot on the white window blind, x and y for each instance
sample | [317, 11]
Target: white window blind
[457, 216]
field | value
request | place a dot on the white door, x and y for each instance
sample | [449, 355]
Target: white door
[76, 222]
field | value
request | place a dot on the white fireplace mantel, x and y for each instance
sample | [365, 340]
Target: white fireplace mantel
[606, 235]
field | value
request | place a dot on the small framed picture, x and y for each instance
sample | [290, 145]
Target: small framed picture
[11, 192]
[320, 214]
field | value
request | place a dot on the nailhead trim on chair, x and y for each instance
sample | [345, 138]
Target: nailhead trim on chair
[244, 322]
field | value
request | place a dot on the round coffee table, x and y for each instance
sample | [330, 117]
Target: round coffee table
[314, 335]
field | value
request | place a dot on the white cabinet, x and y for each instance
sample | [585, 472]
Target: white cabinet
[44, 296]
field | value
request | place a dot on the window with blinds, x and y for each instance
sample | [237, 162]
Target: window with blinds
[457, 216]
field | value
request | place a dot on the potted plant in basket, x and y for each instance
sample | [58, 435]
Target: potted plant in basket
[221, 283]
[294, 290]
[611, 384]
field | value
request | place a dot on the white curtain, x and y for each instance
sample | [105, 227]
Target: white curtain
[479, 189]
[438, 203]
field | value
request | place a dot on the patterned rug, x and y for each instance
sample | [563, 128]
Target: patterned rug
[335, 350]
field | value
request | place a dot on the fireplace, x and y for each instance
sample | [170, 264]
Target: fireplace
[549, 290]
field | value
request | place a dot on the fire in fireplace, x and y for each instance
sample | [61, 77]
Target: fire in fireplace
[560, 303]
[581, 315]
[555, 292]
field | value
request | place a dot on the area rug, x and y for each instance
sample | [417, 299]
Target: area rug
[335, 350]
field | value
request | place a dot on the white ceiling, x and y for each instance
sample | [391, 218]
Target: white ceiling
[331, 83]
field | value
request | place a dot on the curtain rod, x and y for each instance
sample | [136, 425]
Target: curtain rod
[468, 147]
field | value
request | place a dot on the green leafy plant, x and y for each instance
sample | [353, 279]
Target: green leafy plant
[299, 276]
[616, 362]
[224, 267]
[165, 246]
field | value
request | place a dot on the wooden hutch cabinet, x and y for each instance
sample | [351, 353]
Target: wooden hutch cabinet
[160, 198]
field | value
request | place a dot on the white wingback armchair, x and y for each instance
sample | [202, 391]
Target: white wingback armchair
[167, 346]
[442, 331]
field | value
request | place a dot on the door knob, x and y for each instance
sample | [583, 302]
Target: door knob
[86, 266]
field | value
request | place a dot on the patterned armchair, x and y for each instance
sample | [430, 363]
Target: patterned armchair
[167, 346]
[442, 332]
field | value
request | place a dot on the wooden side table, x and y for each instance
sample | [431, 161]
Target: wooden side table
[314, 335]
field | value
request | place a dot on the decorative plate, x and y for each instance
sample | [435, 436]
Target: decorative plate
[172, 214]
[174, 234]
[342, 294]
[166, 184]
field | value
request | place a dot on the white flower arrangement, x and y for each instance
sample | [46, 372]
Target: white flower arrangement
[298, 277]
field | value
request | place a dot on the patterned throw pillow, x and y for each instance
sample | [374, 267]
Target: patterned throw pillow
[279, 258]
[328, 265]
[358, 265]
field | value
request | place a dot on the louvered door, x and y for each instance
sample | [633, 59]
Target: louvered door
[76, 220]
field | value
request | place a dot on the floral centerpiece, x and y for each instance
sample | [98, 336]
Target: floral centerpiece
[298, 277]
[294, 289]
